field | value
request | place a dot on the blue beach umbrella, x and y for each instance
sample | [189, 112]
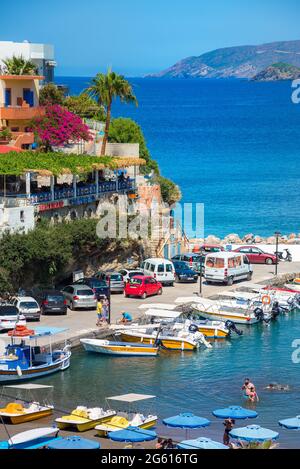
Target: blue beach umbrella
[201, 443]
[253, 433]
[132, 435]
[73, 442]
[186, 420]
[291, 424]
[234, 412]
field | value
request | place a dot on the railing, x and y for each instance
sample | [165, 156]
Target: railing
[19, 112]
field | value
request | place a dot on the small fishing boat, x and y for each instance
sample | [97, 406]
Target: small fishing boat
[17, 412]
[83, 419]
[287, 300]
[22, 361]
[122, 349]
[31, 439]
[130, 418]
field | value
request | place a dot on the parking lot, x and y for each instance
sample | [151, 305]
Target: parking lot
[81, 322]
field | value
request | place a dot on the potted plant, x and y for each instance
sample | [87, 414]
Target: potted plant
[5, 136]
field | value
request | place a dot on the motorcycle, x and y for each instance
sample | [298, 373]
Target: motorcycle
[287, 257]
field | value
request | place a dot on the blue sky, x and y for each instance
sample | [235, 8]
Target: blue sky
[141, 36]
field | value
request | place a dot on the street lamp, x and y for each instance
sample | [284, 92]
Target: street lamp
[200, 279]
[277, 234]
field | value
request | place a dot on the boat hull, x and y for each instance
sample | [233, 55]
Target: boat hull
[237, 319]
[145, 426]
[81, 427]
[168, 343]
[124, 350]
[22, 418]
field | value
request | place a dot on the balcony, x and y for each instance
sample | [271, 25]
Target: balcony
[21, 112]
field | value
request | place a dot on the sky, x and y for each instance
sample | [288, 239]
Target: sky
[137, 37]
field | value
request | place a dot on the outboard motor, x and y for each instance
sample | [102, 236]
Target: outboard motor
[193, 328]
[259, 314]
[297, 300]
[276, 309]
[230, 325]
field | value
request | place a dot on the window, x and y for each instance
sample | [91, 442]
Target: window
[152, 267]
[245, 250]
[215, 262]
[147, 266]
[22, 216]
[85, 292]
[169, 268]
[28, 304]
[160, 268]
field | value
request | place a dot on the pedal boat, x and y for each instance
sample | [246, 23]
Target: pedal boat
[83, 419]
[126, 419]
[15, 413]
[119, 348]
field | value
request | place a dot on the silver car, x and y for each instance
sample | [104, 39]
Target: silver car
[79, 296]
[113, 279]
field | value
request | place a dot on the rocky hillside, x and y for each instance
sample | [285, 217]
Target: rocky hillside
[276, 72]
[234, 62]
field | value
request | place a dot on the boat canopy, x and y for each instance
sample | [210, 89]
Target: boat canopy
[158, 306]
[181, 300]
[28, 386]
[41, 331]
[132, 397]
[239, 294]
[163, 313]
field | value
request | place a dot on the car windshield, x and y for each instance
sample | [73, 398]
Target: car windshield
[28, 304]
[55, 298]
[135, 281]
[8, 311]
[116, 277]
[85, 292]
[98, 283]
[131, 274]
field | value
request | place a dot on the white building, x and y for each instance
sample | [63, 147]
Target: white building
[42, 55]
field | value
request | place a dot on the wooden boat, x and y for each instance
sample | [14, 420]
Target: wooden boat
[30, 409]
[128, 418]
[119, 348]
[83, 419]
[22, 361]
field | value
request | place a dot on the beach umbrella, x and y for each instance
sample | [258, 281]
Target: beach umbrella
[291, 424]
[187, 421]
[234, 412]
[201, 443]
[73, 442]
[132, 435]
[253, 433]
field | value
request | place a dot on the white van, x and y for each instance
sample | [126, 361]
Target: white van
[161, 269]
[227, 267]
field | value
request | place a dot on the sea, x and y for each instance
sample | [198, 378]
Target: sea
[232, 145]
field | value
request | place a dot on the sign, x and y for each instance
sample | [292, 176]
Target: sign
[51, 206]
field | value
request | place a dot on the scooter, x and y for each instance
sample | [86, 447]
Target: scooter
[287, 257]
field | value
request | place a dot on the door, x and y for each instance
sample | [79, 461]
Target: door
[7, 97]
[256, 256]
[28, 96]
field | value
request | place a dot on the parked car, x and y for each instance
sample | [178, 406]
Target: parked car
[142, 286]
[227, 267]
[129, 273]
[256, 255]
[183, 273]
[9, 317]
[51, 302]
[194, 261]
[99, 287]
[161, 269]
[79, 296]
[209, 248]
[113, 279]
[29, 307]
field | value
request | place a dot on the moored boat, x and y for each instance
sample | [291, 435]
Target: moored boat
[123, 349]
[83, 418]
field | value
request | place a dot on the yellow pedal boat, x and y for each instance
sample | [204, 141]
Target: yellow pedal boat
[123, 420]
[16, 413]
[83, 419]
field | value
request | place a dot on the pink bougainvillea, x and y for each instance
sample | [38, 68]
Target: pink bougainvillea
[59, 127]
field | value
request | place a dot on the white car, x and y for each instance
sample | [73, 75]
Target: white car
[9, 317]
[161, 269]
[127, 274]
[29, 307]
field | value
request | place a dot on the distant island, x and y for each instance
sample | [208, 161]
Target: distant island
[235, 62]
[279, 71]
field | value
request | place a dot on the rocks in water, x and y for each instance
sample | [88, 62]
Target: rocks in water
[211, 239]
[233, 238]
[248, 238]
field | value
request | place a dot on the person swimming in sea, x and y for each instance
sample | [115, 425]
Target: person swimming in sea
[278, 387]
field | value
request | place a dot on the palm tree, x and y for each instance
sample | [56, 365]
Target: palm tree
[107, 87]
[20, 66]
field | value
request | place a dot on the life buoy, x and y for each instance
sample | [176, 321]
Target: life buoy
[266, 300]
[21, 331]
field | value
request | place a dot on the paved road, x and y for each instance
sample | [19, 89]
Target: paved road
[83, 322]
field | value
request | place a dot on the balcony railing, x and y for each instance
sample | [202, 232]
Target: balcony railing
[20, 113]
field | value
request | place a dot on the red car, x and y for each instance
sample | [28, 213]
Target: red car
[256, 255]
[142, 286]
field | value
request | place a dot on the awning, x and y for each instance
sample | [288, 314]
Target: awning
[131, 397]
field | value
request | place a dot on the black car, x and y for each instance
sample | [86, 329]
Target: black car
[99, 286]
[51, 302]
[183, 273]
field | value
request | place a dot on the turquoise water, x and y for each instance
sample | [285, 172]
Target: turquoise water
[199, 382]
[231, 144]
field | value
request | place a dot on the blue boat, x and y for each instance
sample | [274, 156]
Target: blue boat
[24, 359]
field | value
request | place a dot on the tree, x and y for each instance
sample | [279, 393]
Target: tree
[85, 107]
[20, 66]
[170, 192]
[105, 88]
[51, 94]
[58, 127]
[125, 130]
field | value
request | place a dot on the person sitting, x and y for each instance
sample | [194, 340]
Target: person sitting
[159, 444]
[126, 318]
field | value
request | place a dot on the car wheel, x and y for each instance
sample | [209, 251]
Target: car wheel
[125, 295]
[144, 295]
[249, 276]
[159, 291]
[230, 281]
[171, 284]
[268, 261]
